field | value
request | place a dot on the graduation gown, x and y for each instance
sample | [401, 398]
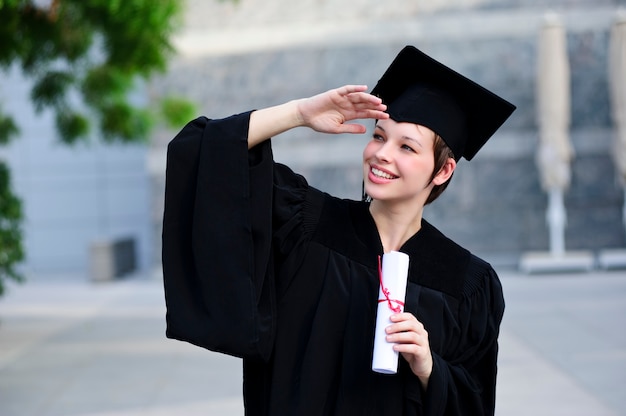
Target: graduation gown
[260, 265]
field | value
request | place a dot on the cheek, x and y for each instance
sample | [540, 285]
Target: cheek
[368, 151]
[422, 170]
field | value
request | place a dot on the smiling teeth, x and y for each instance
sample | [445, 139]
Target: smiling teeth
[382, 174]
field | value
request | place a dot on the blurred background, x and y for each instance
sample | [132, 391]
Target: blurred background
[247, 55]
[91, 305]
[235, 56]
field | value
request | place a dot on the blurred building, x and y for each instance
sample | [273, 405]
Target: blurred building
[250, 54]
[245, 54]
[73, 197]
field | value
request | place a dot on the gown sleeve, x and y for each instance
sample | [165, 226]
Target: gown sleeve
[217, 276]
[465, 384]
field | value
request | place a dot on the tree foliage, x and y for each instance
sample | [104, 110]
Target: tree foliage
[11, 251]
[84, 58]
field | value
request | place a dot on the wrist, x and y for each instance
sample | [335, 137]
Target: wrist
[424, 375]
[424, 381]
[298, 117]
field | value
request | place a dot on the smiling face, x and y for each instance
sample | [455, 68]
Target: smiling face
[398, 163]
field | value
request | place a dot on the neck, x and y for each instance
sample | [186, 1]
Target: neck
[395, 225]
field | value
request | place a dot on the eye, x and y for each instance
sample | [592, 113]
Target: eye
[377, 137]
[407, 147]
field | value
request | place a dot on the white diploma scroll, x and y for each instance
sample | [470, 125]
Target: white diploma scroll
[391, 294]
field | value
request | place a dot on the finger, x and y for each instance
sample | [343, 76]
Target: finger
[412, 348]
[405, 338]
[352, 128]
[402, 316]
[412, 325]
[368, 105]
[362, 114]
[373, 114]
[412, 352]
[407, 326]
[365, 99]
[368, 109]
[350, 89]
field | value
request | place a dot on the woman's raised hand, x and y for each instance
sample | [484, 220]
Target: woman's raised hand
[330, 111]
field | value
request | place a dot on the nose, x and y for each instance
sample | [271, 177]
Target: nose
[383, 153]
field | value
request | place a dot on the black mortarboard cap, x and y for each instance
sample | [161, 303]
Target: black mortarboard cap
[421, 90]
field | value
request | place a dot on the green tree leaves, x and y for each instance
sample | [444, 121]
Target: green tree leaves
[85, 59]
[11, 251]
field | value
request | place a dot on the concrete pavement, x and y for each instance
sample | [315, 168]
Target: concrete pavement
[70, 347]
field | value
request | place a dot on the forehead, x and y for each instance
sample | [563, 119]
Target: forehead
[410, 130]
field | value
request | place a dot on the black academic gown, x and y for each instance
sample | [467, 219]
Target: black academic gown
[260, 265]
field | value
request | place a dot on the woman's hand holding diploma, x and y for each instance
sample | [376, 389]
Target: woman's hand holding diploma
[411, 340]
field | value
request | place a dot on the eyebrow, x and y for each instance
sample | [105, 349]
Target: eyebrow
[411, 139]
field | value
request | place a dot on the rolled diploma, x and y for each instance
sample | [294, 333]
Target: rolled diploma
[394, 276]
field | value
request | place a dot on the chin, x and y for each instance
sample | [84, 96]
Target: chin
[375, 195]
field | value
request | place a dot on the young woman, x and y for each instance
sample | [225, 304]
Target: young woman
[261, 265]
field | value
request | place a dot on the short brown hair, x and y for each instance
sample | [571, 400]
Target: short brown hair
[442, 154]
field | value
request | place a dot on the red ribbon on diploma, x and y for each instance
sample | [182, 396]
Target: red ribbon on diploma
[390, 302]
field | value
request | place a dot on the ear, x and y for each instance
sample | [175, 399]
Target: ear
[445, 172]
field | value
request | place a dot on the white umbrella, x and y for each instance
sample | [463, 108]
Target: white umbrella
[555, 152]
[617, 82]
